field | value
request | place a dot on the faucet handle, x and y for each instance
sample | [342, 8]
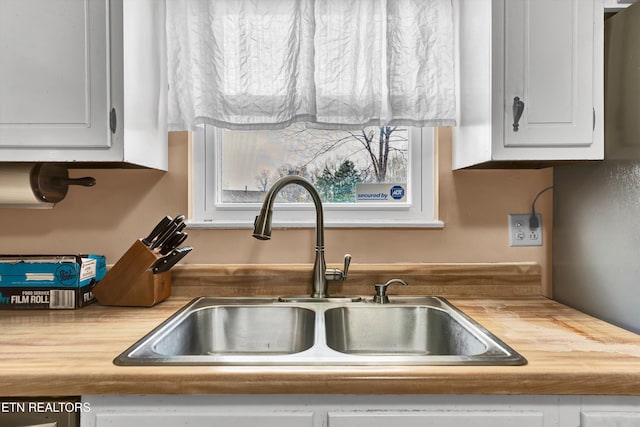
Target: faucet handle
[337, 274]
[347, 263]
[381, 290]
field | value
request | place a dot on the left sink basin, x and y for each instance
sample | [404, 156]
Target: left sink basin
[204, 330]
[239, 330]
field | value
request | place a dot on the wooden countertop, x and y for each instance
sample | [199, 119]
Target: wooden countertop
[70, 353]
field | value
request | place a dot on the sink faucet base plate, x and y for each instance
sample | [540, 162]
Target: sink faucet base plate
[307, 298]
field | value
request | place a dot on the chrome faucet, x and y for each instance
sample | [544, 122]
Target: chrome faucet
[262, 231]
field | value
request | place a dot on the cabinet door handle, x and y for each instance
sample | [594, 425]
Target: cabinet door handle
[113, 120]
[518, 108]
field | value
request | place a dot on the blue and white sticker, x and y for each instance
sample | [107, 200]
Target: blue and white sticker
[385, 193]
[397, 192]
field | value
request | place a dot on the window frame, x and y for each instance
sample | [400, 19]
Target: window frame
[421, 210]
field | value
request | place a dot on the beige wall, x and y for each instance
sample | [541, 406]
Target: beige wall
[126, 203]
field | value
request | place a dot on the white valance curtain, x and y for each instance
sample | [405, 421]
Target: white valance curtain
[264, 64]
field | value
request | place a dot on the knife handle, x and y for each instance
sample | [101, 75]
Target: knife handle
[168, 261]
[165, 235]
[173, 242]
[157, 230]
[175, 225]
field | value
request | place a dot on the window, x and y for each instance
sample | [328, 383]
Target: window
[231, 171]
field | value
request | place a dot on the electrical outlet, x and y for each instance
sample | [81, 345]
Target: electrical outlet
[520, 234]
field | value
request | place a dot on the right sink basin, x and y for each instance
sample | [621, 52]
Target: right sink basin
[413, 331]
[392, 330]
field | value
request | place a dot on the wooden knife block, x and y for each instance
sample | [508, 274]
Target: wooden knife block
[130, 282]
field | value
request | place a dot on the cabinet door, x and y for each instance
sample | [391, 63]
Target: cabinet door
[183, 418]
[609, 419]
[610, 411]
[54, 90]
[449, 418]
[549, 67]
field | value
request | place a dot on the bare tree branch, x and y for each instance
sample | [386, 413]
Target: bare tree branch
[317, 144]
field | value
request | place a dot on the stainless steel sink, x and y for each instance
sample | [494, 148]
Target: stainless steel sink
[415, 330]
[240, 330]
[264, 331]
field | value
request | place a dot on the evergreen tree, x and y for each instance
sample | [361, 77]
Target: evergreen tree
[346, 178]
[339, 185]
[325, 184]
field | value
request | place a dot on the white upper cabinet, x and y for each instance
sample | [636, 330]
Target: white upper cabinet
[83, 81]
[530, 82]
[549, 68]
[53, 83]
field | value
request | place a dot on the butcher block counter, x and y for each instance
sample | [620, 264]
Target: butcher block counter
[71, 352]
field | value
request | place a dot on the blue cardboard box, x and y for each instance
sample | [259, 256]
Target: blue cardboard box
[49, 281]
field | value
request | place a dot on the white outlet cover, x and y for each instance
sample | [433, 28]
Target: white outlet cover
[520, 234]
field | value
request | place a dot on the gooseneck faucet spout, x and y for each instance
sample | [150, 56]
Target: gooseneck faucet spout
[262, 231]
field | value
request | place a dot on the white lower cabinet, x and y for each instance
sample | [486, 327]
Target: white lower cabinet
[331, 411]
[217, 419]
[610, 412]
[443, 418]
[360, 411]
